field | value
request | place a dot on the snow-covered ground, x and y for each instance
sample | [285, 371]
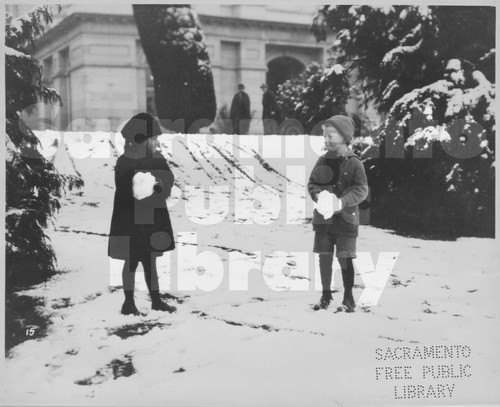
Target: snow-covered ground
[247, 335]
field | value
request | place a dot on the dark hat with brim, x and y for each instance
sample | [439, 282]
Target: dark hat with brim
[141, 127]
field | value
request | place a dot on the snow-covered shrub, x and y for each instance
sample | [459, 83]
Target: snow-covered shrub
[449, 143]
[429, 70]
[33, 185]
[317, 94]
[173, 43]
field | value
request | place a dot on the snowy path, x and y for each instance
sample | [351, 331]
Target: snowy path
[254, 347]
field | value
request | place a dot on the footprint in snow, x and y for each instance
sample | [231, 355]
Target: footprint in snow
[115, 369]
[140, 328]
[62, 303]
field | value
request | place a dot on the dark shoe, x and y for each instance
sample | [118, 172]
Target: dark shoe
[129, 308]
[162, 306]
[324, 302]
[348, 303]
[157, 304]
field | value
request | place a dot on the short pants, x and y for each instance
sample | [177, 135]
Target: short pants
[324, 242]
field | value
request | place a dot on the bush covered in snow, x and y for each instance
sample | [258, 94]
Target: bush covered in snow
[430, 72]
[317, 94]
[173, 43]
[33, 185]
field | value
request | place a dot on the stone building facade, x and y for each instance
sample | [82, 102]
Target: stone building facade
[92, 56]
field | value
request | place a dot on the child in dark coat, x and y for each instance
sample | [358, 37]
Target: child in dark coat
[337, 184]
[140, 225]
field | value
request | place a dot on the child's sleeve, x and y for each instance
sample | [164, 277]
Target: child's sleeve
[358, 190]
[316, 182]
[164, 179]
[123, 177]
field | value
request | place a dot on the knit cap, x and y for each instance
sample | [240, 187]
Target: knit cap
[344, 125]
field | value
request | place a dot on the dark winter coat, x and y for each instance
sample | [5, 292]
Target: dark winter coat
[352, 186]
[139, 226]
[240, 106]
[240, 110]
[269, 106]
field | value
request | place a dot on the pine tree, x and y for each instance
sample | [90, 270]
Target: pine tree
[395, 49]
[426, 69]
[33, 185]
[173, 43]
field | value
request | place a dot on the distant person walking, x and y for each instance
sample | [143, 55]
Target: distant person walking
[240, 111]
[270, 111]
[140, 225]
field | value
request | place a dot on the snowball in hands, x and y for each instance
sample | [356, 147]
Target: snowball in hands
[328, 204]
[143, 185]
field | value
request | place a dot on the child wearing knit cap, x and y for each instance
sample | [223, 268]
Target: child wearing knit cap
[337, 185]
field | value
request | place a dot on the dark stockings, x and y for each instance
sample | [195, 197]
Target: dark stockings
[346, 264]
[325, 268]
[150, 274]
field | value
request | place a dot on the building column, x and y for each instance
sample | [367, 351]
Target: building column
[60, 82]
[252, 74]
[142, 70]
[214, 53]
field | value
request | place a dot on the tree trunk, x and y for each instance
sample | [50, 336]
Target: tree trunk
[173, 43]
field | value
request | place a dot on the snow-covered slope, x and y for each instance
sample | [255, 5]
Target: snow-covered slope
[259, 344]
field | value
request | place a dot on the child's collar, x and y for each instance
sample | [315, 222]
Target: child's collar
[334, 155]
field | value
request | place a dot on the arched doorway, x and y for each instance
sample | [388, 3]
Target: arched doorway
[281, 69]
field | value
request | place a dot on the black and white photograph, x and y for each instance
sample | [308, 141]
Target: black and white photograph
[274, 204]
